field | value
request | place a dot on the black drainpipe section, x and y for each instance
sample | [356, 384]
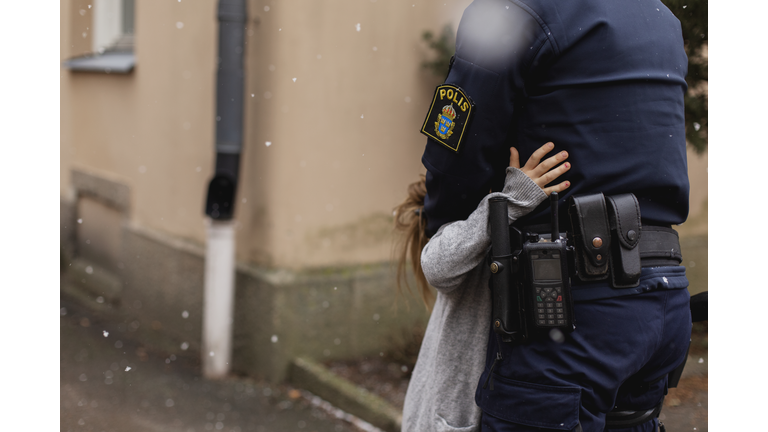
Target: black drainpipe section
[220, 202]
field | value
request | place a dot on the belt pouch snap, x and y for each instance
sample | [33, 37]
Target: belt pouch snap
[592, 236]
[624, 217]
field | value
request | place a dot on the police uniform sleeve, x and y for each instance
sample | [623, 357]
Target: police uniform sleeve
[496, 44]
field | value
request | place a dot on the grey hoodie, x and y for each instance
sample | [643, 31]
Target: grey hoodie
[441, 393]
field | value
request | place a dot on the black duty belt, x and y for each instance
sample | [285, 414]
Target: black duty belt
[659, 245]
[607, 240]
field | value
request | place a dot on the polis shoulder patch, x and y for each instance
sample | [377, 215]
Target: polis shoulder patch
[448, 116]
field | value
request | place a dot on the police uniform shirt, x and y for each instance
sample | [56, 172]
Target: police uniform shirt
[601, 79]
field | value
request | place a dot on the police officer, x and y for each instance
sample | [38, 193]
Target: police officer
[603, 80]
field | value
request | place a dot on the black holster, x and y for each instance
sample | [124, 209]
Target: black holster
[606, 233]
[506, 299]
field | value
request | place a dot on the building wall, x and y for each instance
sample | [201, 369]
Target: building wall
[344, 134]
[152, 129]
[313, 208]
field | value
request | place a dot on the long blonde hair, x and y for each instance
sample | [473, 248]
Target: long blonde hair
[411, 222]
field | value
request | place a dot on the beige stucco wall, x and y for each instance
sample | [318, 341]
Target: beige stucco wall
[698, 216]
[153, 128]
[344, 135]
[345, 141]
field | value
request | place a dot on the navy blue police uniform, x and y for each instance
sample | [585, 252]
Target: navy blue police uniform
[605, 81]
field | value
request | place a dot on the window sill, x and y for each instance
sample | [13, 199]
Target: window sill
[119, 62]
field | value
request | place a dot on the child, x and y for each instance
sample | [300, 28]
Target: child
[441, 393]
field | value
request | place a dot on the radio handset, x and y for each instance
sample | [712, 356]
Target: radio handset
[546, 279]
[530, 285]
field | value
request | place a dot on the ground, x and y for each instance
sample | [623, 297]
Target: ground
[111, 383]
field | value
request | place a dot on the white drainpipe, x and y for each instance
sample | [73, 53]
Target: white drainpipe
[218, 299]
[219, 285]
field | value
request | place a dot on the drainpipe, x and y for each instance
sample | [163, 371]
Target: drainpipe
[219, 284]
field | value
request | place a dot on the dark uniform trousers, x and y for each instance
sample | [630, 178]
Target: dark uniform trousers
[614, 359]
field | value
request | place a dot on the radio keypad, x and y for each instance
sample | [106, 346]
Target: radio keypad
[549, 306]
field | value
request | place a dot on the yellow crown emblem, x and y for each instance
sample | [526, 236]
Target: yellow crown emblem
[449, 112]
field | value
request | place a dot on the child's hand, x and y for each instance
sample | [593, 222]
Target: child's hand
[543, 173]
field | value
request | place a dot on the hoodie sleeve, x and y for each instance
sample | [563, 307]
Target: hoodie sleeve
[458, 247]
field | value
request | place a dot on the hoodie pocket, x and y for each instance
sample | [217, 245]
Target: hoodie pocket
[442, 425]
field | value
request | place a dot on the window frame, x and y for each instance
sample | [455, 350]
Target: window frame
[116, 56]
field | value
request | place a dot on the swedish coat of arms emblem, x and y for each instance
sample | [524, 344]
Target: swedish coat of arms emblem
[445, 122]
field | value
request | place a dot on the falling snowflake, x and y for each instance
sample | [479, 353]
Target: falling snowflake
[105, 333]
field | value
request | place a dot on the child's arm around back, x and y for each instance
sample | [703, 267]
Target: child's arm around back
[458, 247]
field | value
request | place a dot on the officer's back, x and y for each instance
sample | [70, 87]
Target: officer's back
[601, 79]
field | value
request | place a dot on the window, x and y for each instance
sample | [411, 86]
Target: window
[112, 25]
[112, 38]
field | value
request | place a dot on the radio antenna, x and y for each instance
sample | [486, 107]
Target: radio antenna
[555, 220]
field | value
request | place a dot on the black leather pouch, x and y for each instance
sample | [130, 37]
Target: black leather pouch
[624, 219]
[592, 236]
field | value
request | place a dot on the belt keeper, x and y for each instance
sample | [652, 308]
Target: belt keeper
[624, 218]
